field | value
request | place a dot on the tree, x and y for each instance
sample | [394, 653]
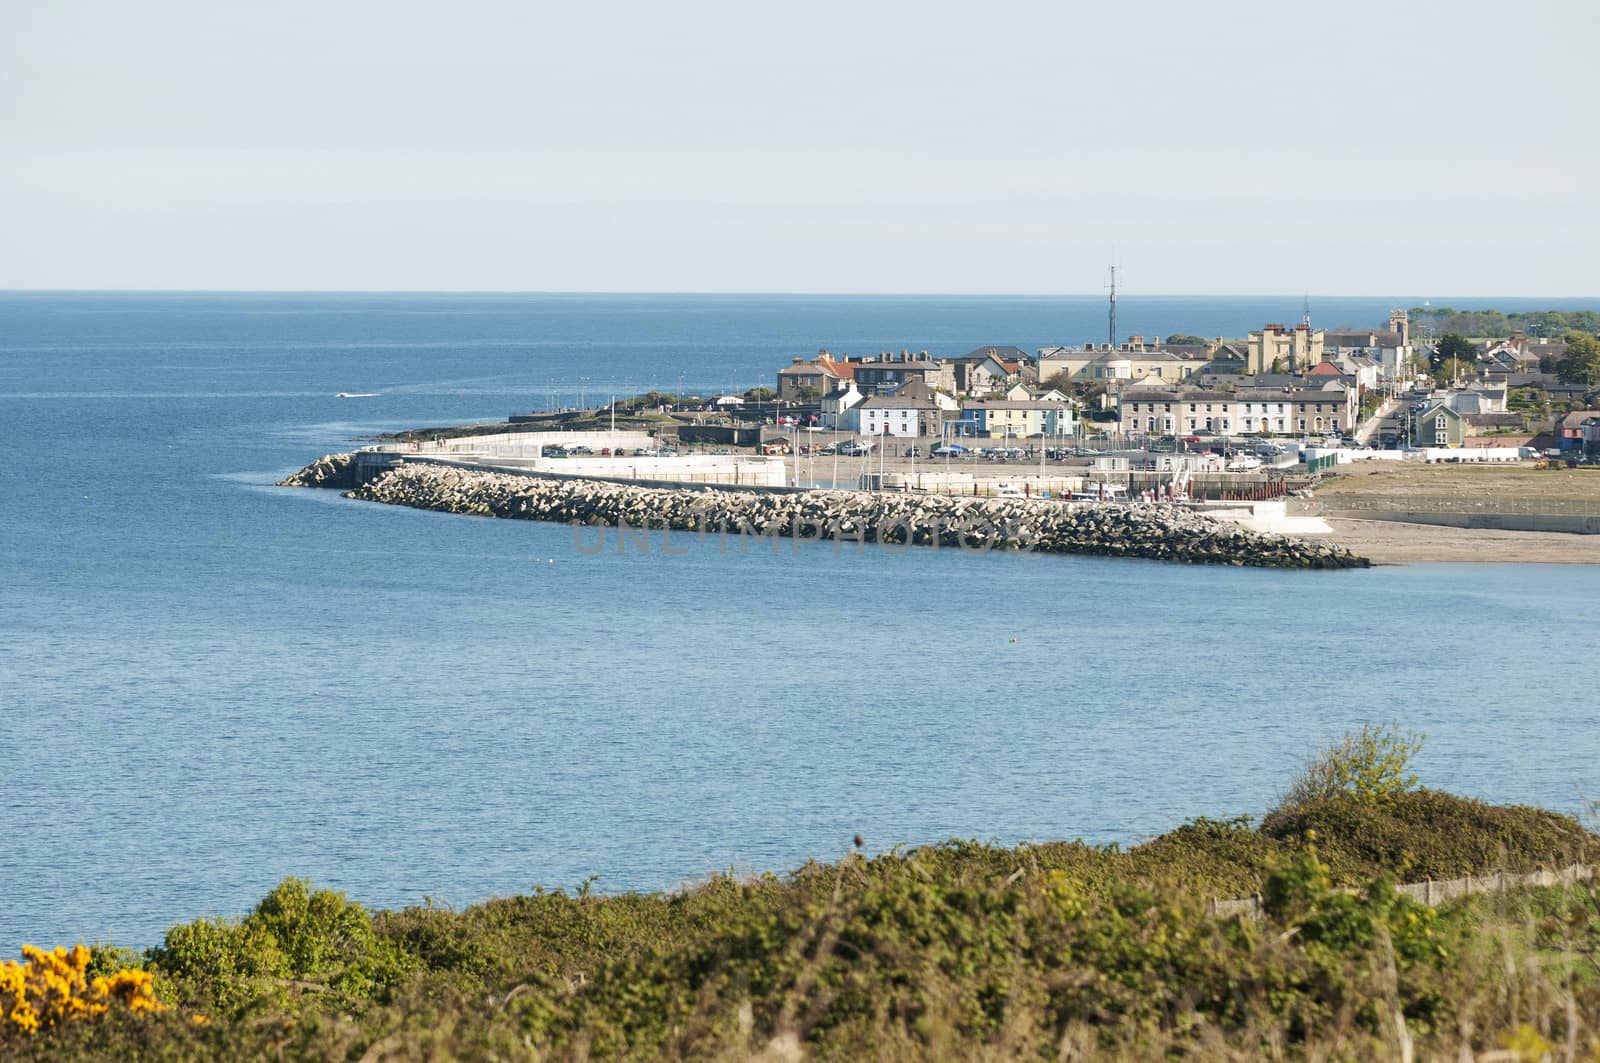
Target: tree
[1581, 362]
[1453, 349]
[1184, 339]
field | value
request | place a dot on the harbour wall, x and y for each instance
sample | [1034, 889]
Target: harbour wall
[1158, 532]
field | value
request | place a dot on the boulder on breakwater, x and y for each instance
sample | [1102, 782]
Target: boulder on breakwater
[330, 470]
[1160, 532]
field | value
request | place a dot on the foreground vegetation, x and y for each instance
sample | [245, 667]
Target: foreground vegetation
[955, 951]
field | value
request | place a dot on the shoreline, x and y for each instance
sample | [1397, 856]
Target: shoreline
[1387, 542]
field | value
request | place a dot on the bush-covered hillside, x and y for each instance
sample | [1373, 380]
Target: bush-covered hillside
[955, 951]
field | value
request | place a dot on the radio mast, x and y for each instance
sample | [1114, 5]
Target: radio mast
[1111, 330]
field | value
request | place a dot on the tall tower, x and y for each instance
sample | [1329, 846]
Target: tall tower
[1400, 321]
[1111, 331]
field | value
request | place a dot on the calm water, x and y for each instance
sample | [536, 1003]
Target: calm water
[207, 684]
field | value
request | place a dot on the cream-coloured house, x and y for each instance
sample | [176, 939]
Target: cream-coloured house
[1127, 364]
[1016, 418]
[1295, 349]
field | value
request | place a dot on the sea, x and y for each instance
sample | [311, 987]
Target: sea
[208, 683]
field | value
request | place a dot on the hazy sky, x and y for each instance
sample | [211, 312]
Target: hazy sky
[1363, 147]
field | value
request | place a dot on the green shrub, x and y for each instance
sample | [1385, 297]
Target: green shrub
[1372, 764]
[1427, 834]
[296, 941]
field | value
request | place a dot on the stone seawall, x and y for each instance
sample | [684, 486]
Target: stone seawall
[1114, 530]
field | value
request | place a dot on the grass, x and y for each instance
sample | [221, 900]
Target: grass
[955, 951]
[1378, 479]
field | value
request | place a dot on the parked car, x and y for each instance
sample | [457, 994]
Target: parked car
[948, 450]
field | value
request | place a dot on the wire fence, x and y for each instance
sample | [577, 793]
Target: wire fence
[1545, 507]
[1430, 891]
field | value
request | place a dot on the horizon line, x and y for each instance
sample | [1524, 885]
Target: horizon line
[1096, 296]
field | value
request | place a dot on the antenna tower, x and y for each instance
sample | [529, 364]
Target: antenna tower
[1305, 312]
[1111, 332]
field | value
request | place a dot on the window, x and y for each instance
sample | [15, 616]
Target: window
[1302, 424]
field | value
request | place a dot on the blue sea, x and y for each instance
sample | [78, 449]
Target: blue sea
[208, 683]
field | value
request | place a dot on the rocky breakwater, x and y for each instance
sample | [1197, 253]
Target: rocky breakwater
[330, 470]
[852, 519]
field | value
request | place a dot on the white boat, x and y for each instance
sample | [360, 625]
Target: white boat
[357, 395]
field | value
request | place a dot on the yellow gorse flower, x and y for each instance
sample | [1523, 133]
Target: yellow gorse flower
[48, 988]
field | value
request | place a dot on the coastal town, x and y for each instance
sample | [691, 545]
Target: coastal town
[1337, 436]
[1378, 387]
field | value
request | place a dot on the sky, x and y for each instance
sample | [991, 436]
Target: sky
[1234, 146]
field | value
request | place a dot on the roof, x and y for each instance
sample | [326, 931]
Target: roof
[1325, 369]
[915, 389]
[1012, 404]
[998, 353]
[824, 366]
[1361, 338]
[1578, 417]
[899, 402]
[1173, 395]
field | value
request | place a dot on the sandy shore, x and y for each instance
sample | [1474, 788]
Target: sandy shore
[1394, 543]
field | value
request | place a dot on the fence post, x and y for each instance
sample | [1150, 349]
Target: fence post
[1427, 891]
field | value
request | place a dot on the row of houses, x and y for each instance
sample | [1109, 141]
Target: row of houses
[1332, 409]
[983, 372]
[916, 410]
[1369, 358]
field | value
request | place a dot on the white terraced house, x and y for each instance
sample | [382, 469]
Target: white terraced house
[1249, 411]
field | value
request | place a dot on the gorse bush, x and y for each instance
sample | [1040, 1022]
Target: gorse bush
[1372, 765]
[50, 988]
